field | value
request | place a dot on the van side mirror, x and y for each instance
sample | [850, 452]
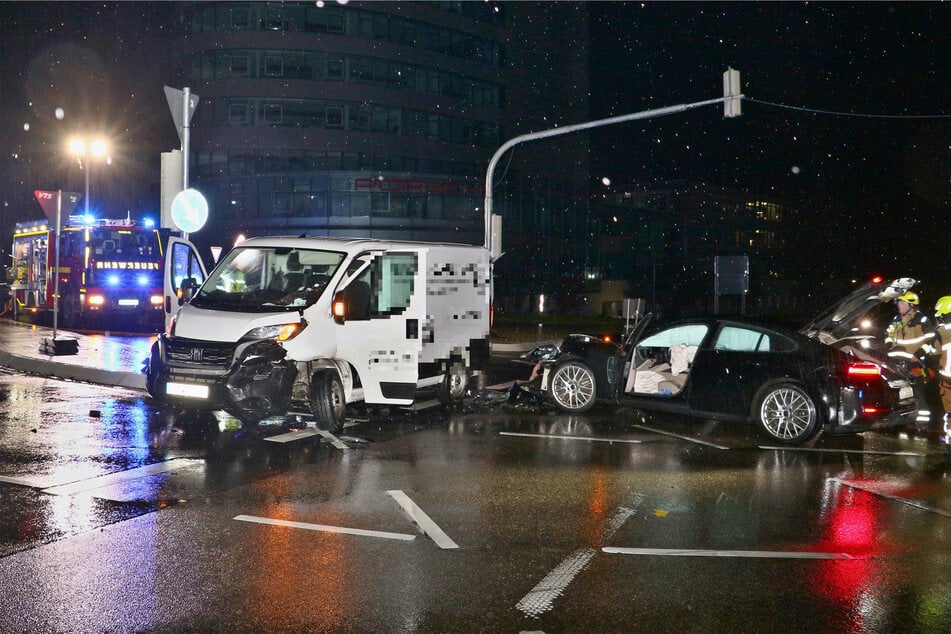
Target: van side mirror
[352, 303]
[187, 291]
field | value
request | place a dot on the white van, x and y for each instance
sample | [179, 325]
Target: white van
[322, 322]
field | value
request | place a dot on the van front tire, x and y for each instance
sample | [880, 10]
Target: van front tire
[328, 402]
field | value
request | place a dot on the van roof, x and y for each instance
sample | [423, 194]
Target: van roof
[347, 244]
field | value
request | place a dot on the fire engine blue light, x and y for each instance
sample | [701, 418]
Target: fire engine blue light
[143, 280]
[88, 219]
[149, 223]
[113, 280]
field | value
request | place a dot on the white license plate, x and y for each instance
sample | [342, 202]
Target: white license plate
[905, 392]
[186, 389]
[128, 302]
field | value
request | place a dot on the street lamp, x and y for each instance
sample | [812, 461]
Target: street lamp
[83, 149]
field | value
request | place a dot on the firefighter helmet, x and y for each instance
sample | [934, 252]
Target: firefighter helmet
[909, 297]
[943, 307]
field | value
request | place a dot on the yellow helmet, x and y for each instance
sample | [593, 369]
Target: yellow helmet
[909, 297]
[943, 307]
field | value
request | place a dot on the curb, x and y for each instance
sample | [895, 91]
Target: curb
[130, 380]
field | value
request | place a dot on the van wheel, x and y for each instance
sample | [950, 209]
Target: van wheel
[69, 310]
[328, 403]
[787, 413]
[453, 386]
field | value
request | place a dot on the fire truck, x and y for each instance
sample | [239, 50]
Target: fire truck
[113, 274]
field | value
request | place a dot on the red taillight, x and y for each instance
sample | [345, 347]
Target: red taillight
[863, 370]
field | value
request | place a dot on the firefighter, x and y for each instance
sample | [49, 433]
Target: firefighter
[910, 340]
[941, 311]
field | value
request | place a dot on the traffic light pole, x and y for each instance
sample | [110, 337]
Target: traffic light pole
[646, 114]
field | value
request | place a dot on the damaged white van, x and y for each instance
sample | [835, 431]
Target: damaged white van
[316, 323]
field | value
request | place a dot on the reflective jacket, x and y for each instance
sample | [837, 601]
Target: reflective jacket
[911, 337]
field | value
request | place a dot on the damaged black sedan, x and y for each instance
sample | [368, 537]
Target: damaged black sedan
[831, 376]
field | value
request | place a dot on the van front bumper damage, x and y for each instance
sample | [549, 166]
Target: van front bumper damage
[251, 380]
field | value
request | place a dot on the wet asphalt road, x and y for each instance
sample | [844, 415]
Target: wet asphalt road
[492, 517]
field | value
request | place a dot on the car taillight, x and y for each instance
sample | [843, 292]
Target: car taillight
[863, 370]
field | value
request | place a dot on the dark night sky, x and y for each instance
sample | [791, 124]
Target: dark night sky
[873, 187]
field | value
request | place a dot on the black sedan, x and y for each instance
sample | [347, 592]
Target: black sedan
[793, 384]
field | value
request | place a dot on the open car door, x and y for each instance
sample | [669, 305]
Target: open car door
[183, 270]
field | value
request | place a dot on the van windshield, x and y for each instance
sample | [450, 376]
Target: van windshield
[268, 279]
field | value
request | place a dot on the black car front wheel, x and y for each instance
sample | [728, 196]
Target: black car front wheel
[787, 413]
[572, 387]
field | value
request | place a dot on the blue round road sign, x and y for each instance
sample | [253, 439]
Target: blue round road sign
[189, 210]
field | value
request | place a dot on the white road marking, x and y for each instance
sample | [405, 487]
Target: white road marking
[293, 435]
[323, 528]
[36, 482]
[336, 442]
[888, 496]
[861, 451]
[761, 554]
[419, 517]
[612, 440]
[688, 438]
[82, 486]
[541, 598]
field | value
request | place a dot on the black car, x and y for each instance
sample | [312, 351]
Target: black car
[833, 375]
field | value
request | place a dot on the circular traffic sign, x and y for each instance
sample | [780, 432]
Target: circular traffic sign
[189, 210]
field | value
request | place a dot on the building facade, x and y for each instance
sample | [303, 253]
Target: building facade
[378, 119]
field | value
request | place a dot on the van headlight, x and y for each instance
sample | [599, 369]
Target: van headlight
[278, 332]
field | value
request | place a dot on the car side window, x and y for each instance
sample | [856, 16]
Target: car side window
[740, 339]
[688, 335]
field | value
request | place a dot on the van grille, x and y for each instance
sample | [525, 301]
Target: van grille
[192, 353]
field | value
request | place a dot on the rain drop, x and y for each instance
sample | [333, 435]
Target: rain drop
[60, 114]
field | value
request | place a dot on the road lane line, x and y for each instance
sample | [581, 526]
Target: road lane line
[293, 435]
[541, 598]
[35, 482]
[336, 442]
[82, 486]
[511, 433]
[760, 554]
[861, 451]
[323, 528]
[889, 496]
[419, 517]
[687, 438]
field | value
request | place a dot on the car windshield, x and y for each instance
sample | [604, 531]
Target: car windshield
[268, 279]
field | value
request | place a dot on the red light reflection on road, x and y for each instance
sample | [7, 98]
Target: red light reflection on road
[851, 523]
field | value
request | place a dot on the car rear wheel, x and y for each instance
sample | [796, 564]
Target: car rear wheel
[328, 402]
[572, 387]
[787, 413]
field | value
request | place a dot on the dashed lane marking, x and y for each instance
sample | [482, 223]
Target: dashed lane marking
[419, 517]
[895, 498]
[541, 598]
[687, 438]
[82, 486]
[324, 528]
[559, 437]
[760, 554]
[860, 451]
